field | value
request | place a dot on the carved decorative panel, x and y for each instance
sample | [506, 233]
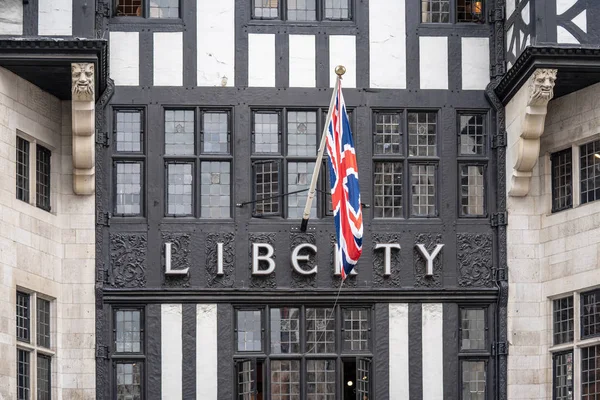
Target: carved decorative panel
[299, 280]
[128, 260]
[212, 259]
[180, 258]
[265, 281]
[351, 280]
[379, 277]
[430, 241]
[474, 259]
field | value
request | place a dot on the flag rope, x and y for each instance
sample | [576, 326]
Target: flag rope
[331, 316]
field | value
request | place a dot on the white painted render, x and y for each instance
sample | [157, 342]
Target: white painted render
[302, 61]
[171, 354]
[261, 60]
[387, 44]
[168, 59]
[475, 63]
[433, 351]
[206, 351]
[342, 51]
[55, 17]
[125, 58]
[398, 351]
[433, 62]
[564, 36]
[564, 5]
[216, 42]
[11, 21]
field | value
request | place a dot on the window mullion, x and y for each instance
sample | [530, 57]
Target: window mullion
[576, 176]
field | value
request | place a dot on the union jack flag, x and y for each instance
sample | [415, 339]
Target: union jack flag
[345, 193]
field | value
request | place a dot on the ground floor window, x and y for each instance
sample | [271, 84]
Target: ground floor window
[293, 353]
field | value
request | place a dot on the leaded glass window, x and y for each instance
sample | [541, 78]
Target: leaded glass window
[337, 10]
[562, 180]
[215, 133]
[320, 330]
[179, 132]
[249, 330]
[180, 196]
[423, 190]
[422, 134]
[472, 329]
[266, 187]
[388, 133]
[129, 380]
[285, 330]
[320, 379]
[22, 169]
[472, 190]
[472, 135]
[215, 189]
[388, 184]
[129, 8]
[266, 9]
[299, 175]
[129, 131]
[128, 331]
[164, 8]
[355, 334]
[469, 11]
[563, 320]
[301, 10]
[128, 188]
[285, 379]
[435, 11]
[473, 380]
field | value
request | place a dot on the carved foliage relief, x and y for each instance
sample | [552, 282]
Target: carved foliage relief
[379, 277]
[474, 259]
[262, 281]
[299, 280]
[212, 259]
[430, 241]
[128, 260]
[180, 258]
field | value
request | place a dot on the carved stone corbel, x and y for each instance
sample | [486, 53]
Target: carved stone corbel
[527, 149]
[83, 110]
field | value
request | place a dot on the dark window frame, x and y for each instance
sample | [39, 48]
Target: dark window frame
[142, 165]
[554, 372]
[143, 134]
[263, 358]
[143, 385]
[593, 378]
[488, 381]
[128, 357]
[476, 355]
[197, 157]
[582, 315]
[453, 19]
[27, 375]
[555, 311]
[583, 195]
[554, 159]
[145, 14]
[23, 192]
[43, 177]
[48, 372]
[485, 335]
[124, 354]
[320, 19]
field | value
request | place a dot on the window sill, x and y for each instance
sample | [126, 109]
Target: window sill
[313, 24]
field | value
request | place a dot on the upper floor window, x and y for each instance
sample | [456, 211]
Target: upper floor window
[440, 11]
[472, 165]
[302, 10]
[151, 8]
[562, 180]
[590, 171]
[38, 189]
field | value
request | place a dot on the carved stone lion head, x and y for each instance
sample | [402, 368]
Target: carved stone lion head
[542, 86]
[82, 81]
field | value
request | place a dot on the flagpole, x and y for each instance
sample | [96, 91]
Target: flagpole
[339, 70]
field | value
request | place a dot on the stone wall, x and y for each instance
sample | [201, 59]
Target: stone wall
[549, 254]
[51, 253]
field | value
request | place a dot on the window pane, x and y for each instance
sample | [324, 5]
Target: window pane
[473, 138]
[129, 131]
[363, 378]
[563, 320]
[562, 180]
[215, 132]
[266, 138]
[356, 329]
[129, 188]
[215, 189]
[320, 330]
[23, 375]
[473, 380]
[43, 178]
[469, 11]
[422, 131]
[337, 9]
[388, 134]
[590, 373]
[423, 178]
[129, 381]
[43, 377]
[387, 182]
[299, 176]
[472, 189]
[266, 9]
[590, 172]
[22, 169]
[472, 329]
[285, 380]
[435, 11]
[249, 330]
[131, 8]
[43, 323]
[590, 314]
[164, 8]
[301, 10]
[23, 316]
[245, 380]
[320, 379]
[302, 133]
[128, 330]
[180, 193]
[285, 330]
[562, 381]
[179, 132]
[266, 185]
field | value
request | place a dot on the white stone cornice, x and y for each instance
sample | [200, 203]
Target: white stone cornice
[83, 109]
[525, 150]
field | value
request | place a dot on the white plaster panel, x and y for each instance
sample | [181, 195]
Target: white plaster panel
[11, 20]
[302, 61]
[55, 17]
[261, 60]
[171, 351]
[433, 351]
[564, 36]
[206, 351]
[342, 51]
[387, 44]
[564, 5]
[510, 7]
[168, 59]
[581, 20]
[475, 63]
[433, 62]
[525, 14]
[125, 58]
[216, 42]
[398, 348]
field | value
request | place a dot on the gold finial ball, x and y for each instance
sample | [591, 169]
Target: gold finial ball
[340, 70]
